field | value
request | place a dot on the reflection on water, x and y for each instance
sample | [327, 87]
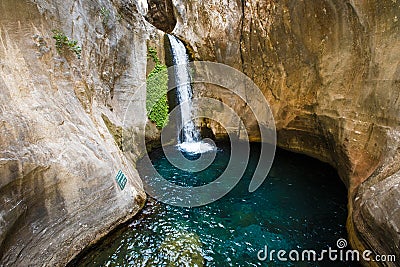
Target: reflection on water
[301, 205]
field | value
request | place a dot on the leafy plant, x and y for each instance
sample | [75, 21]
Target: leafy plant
[152, 53]
[63, 42]
[105, 15]
[157, 87]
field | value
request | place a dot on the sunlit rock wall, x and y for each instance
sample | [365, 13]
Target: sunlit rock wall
[330, 71]
[61, 123]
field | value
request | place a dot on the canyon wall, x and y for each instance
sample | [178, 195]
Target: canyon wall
[330, 71]
[61, 125]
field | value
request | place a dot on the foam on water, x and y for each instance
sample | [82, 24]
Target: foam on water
[196, 147]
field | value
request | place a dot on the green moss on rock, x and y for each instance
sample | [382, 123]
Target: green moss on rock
[157, 87]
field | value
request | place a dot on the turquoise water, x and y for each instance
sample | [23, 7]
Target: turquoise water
[301, 205]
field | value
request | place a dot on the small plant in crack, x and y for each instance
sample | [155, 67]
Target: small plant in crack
[105, 15]
[152, 53]
[64, 43]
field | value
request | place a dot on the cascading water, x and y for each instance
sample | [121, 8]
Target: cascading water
[184, 90]
[189, 141]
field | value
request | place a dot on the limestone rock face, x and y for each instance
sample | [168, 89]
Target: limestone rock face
[330, 71]
[211, 29]
[60, 123]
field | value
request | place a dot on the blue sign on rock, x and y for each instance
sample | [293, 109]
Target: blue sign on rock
[121, 179]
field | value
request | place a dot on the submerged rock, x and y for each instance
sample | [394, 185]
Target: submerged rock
[179, 249]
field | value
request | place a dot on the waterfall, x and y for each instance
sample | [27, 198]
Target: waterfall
[184, 91]
[189, 140]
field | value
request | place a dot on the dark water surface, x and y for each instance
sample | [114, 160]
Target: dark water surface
[301, 205]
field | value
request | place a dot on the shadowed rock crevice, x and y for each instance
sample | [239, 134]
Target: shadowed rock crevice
[161, 15]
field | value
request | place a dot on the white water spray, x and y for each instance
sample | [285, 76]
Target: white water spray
[190, 140]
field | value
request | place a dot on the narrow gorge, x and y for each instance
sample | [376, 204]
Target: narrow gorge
[73, 75]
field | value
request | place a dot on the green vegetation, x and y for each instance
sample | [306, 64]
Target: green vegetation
[105, 15]
[63, 42]
[152, 53]
[157, 87]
